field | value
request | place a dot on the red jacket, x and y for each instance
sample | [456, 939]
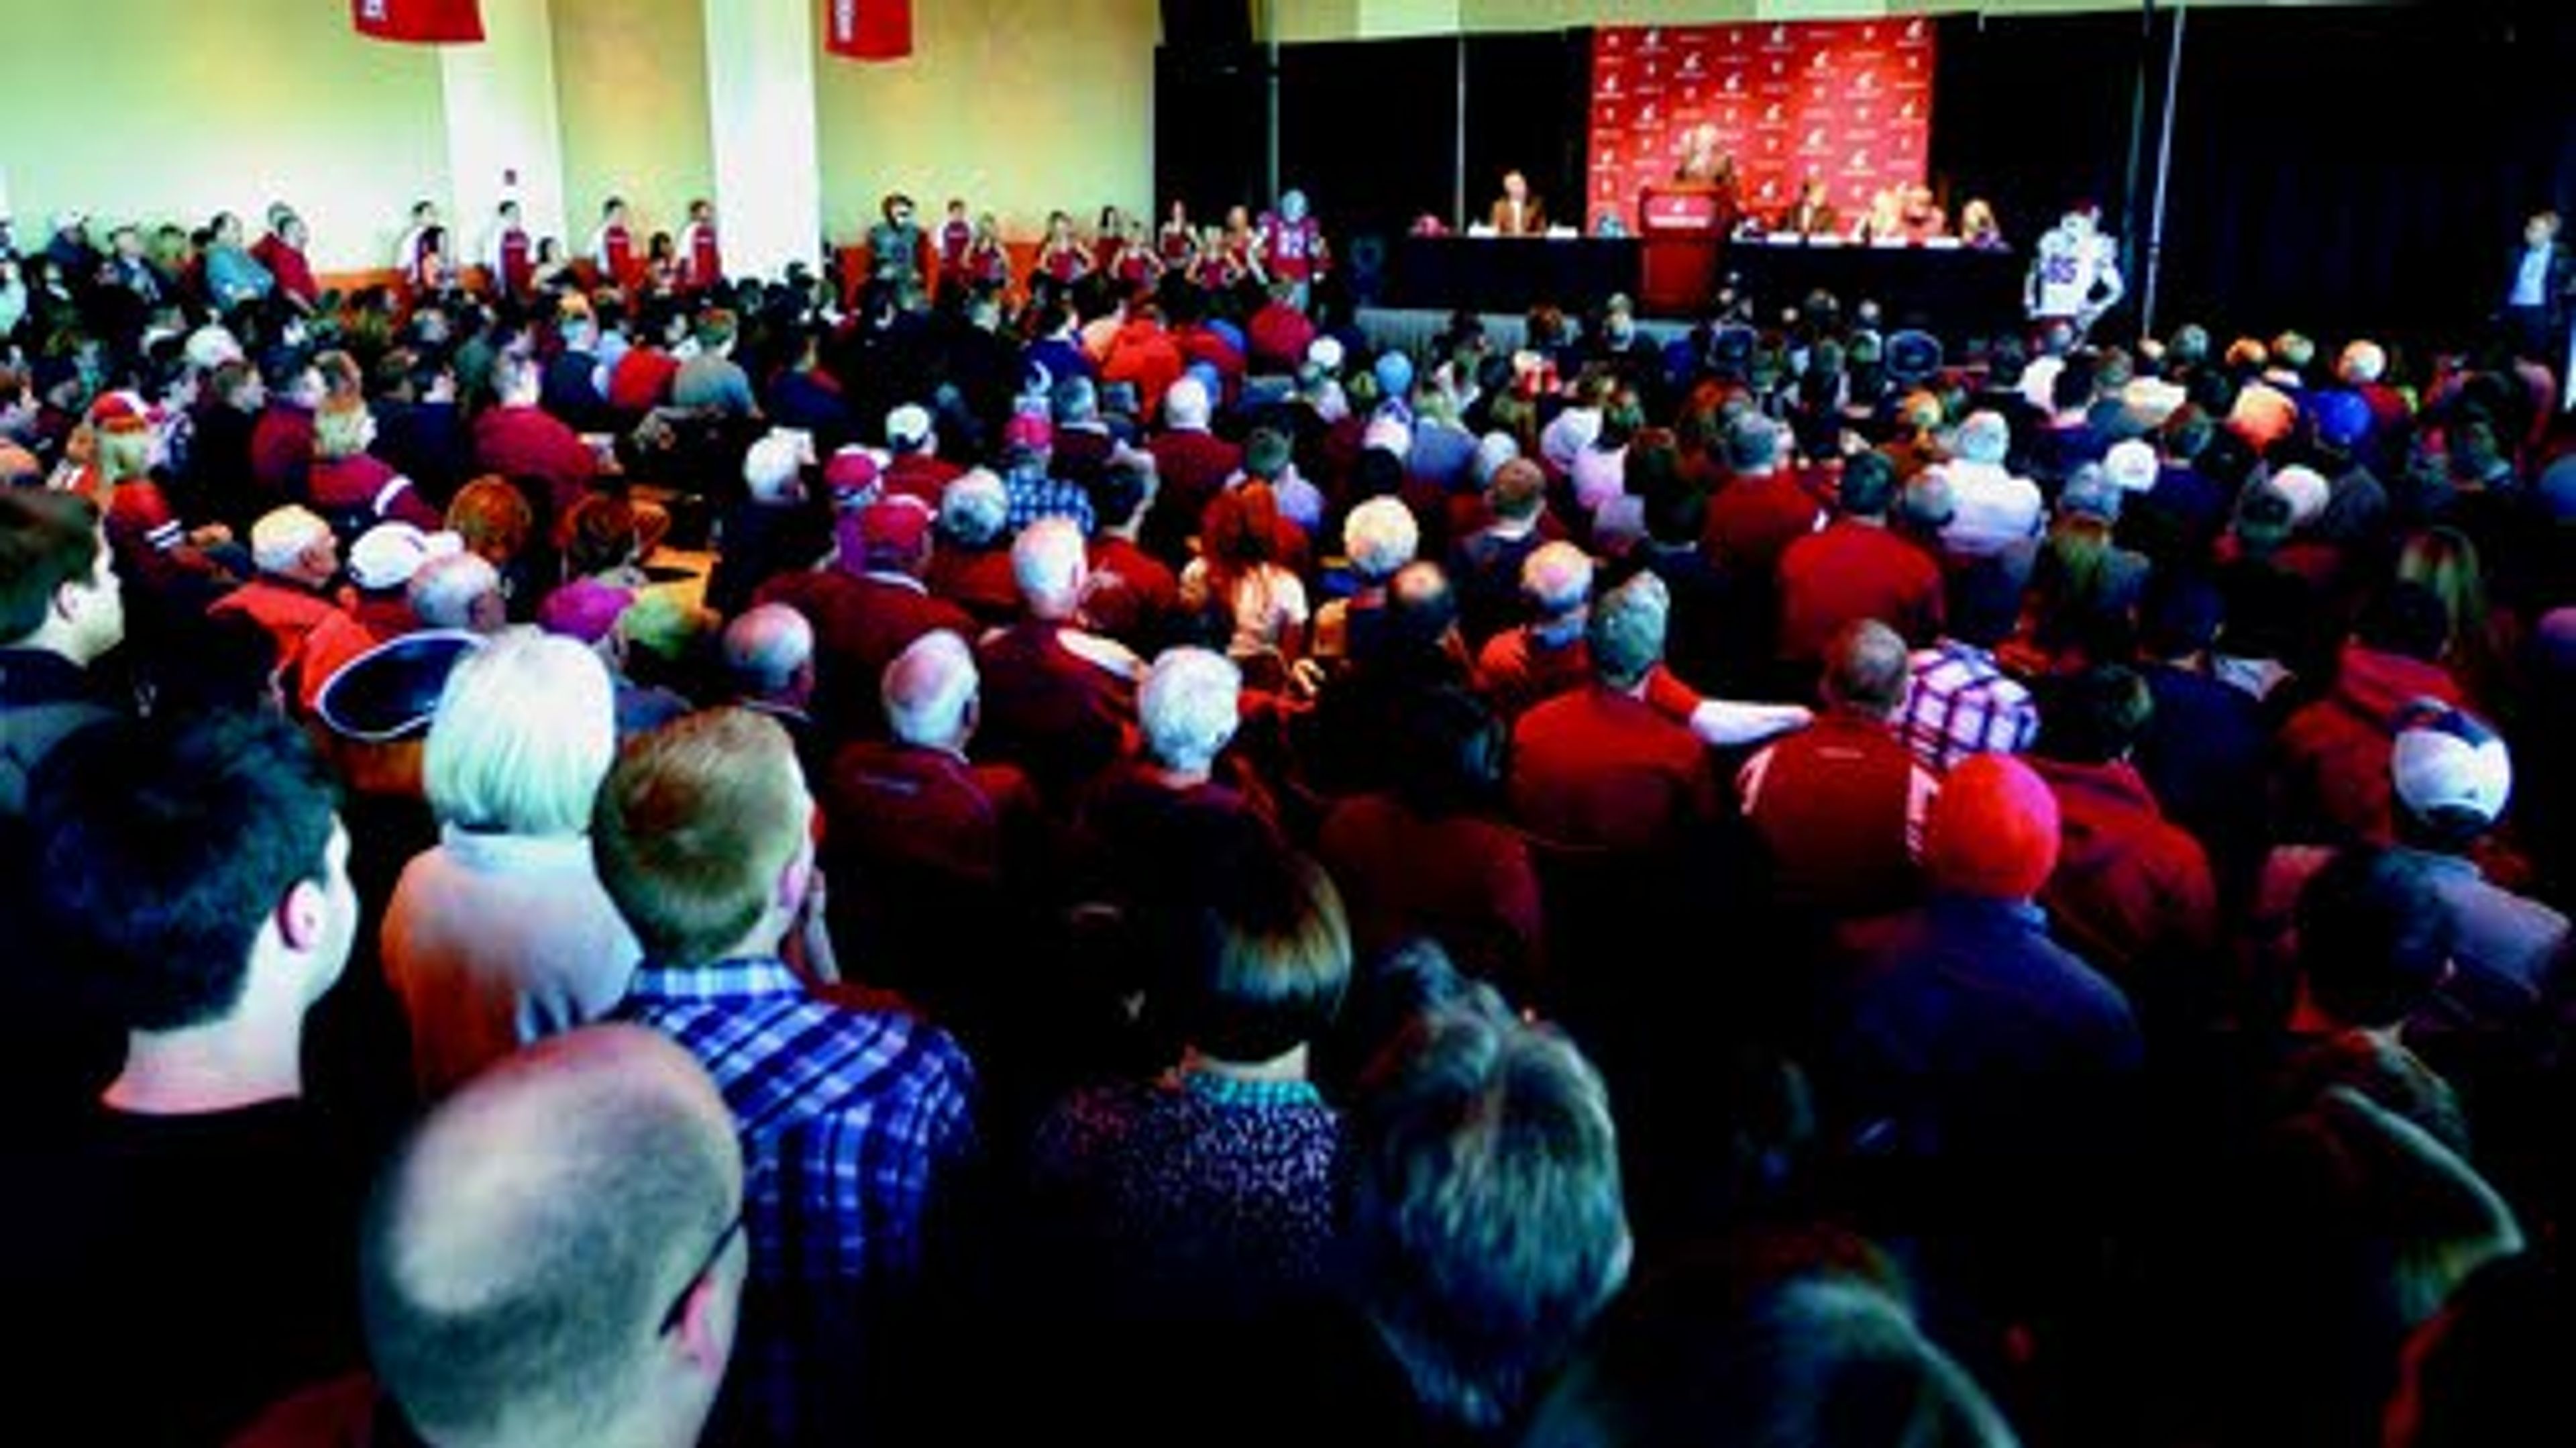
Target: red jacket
[860, 624]
[1837, 807]
[2130, 892]
[1595, 767]
[1465, 881]
[281, 453]
[1753, 520]
[1851, 571]
[294, 274]
[1144, 354]
[526, 442]
[2333, 754]
[367, 488]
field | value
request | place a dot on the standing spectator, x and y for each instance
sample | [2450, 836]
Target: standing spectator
[1958, 699]
[853, 1123]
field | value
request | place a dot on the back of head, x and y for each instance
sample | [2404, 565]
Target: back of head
[1754, 444]
[1450, 753]
[1259, 949]
[530, 1254]
[1185, 404]
[1380, 536]
[1866, 669]
[162, 850]
[1626, 630]
[1047, 561]
[928, 690]
[1992, 830]
[456, 591]
[524, 733]
[1868, 485]
[2407, 618]
[2096, 717]
[768, 648]
[2374, 940]
[694, 828]
[1486, 1211]
[1557, 579]
[1188, 706]
[1518, 491]
[1985, 437]
[47, 539]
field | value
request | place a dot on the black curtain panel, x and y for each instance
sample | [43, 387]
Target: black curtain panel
[1210, 124]
[1367, 129]
[1529, 108]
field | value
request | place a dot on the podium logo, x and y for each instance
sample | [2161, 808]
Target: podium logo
[1610, 84]
[1734, 82]
[1821, 60]
[1772, 114]
[1816, 140]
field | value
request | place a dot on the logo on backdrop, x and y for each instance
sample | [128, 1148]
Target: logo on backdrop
[1847, 100]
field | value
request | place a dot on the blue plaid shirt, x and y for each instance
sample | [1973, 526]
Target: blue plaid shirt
[849, 1122]
[1035, 495]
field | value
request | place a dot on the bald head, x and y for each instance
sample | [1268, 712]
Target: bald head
[929, 692]
[550, 1257]
[769, 652]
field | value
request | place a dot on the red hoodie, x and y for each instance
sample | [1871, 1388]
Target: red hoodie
[2333, 771]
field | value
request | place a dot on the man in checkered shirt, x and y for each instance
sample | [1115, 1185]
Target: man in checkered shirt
[854, 1123]
[1959, 701]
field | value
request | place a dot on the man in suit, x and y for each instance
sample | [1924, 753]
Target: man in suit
[2538, 287]
[1518, 213]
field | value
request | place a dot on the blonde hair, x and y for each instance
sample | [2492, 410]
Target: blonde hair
[523, 735]
[694, 827]
[342, 427]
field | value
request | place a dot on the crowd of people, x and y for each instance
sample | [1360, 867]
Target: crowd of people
[818, 859]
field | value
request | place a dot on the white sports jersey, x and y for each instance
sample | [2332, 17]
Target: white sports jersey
[2067, 271]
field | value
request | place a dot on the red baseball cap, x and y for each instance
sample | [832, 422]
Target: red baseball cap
[1027, 429]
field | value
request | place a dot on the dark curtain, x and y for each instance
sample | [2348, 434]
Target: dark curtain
[1210, 120]
[1529, 108]
[2335, 169]
[1368, 130]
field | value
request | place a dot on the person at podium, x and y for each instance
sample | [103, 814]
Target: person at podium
[1516, 212]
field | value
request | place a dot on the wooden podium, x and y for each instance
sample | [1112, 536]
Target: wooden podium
[1682, 230]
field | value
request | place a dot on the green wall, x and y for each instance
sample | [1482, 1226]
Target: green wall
[152, 110]
[631, 84]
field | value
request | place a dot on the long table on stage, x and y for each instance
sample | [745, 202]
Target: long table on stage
[1954, 291]
[1509, 273]
[1951, 291]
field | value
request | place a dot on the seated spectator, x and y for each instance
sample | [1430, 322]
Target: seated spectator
[501, 935]
[1131, 597]
[1029, 478]
[1838, 808]
[351, 487]
[581, 1204]
[2204, 747]
[703, 836]
[710, 381]
[917, 468]
[1487, 1223]
[1485, 565]
[1059, 700]
[1958, 699]
[1191, 466]
[1856, 569]
[1762, 507]
[1995, 509]
[971, 567]
[1241, 575]
[1426, 856]
[2332, 778]
[1379, 536]
[1530, 663]
[499, 527]
[519, 440]
[768, 653]
[1600, 766]
[866, 607]
[459, 591]
[197, 871]
[1209, 1196]
[776, 527]
[2131, 893]
[593, 614]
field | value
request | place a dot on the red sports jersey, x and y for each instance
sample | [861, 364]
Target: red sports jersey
[1105, 253]
[700, 266]
[1216, 270]
[1177, 245]
[1064, 263]
[616, 255]
[518, 263]
[955, 240]
[988, 263]
[1292, 250]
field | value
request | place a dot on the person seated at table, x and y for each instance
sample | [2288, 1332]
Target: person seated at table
[1811, 214]
[1919, 217]
[1978, 227]
[1885, 219]
[1516, 212]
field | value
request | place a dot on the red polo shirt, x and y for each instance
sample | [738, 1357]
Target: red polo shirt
[1596, 767]
[1850, 571]
[528, 442]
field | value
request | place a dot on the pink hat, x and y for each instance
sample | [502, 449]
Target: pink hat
[1993, 829]
[850, 472]
[584, 609]
[1028, 430]
[891, 527]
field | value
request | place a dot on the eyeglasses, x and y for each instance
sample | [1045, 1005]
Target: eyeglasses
[715, 1254]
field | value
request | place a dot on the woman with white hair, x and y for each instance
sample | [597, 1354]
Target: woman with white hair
[502, 933]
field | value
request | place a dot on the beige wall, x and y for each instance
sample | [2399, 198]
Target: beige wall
[1304, 20]
[163, 110]
[1020, 106]
[631, 86]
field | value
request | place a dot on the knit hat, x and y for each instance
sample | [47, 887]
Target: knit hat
[2445, 759]
[889, 527]
[1394, 374]
[584, 609]
[1992, 830]
[388, 554]
[2131, 466]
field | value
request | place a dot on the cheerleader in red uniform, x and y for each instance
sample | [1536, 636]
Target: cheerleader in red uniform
[1177, 244]
[987, 261]
[1243, 245]
[956, 238]
[1109, 243]
[701, 265]
[1138, 267]
[612, 247]
[1217, 267]
[1063, 257]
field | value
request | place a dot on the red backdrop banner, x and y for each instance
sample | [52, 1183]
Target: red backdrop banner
[868, 29]
[420, 22]
[1848, 101]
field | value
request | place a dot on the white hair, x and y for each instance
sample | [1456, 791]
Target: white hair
[444, 590]
[767, 645]
[1557, 578]
[974, 508]
[1380, 536]
[282, 534]
[1047, 562]
[524, 733]
[1984, 438]
[928, 690]
[770, 468]
[2362, 362]
[1185, 404]
[1189, 705]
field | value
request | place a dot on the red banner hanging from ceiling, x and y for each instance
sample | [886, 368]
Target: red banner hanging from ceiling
[1846, 102]
[420, 22]
[868, 29]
